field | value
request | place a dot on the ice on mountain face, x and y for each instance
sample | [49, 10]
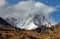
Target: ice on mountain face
[31, 26]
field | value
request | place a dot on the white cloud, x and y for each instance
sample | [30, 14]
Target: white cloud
[25, 7]
[22, 9]
[38, 4]
[2, 2]
[51, 9]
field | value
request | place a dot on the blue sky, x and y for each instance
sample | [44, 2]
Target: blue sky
[53, 3]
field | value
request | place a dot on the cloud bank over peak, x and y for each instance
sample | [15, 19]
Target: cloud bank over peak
[21, 10]
[25, 7]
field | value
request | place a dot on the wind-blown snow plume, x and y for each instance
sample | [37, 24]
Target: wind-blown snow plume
[31, 14]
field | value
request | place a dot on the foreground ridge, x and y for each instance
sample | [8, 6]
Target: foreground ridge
[39, 33]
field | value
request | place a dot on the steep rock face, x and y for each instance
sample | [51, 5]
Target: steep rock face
[40, 19]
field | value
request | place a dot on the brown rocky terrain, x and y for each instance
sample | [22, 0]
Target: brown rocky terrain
[39, 33]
